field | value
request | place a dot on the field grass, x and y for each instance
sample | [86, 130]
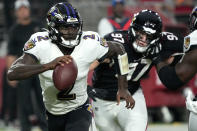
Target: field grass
[151, 127]
[17, 129]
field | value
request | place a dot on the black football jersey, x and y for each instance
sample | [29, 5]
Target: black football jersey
[104, 78]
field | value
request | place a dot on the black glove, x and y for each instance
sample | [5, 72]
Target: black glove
[153, 51]
[91, 92]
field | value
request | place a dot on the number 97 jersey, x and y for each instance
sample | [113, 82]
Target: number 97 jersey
[139, 64]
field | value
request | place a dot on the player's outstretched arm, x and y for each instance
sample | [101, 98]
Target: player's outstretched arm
[188, 67]
[124, 93]
[175, 77]
[27, 66]
[116, 49]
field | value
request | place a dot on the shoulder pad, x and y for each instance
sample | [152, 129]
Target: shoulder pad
[164, 33]
[93, 37]
[118, 36]
[35, 39]
[169, 36]
[172, 42]
[90, 35]
[40, 36]
[109, 37]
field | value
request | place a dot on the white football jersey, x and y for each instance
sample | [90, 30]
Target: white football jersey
[190, 41]
[91, 47]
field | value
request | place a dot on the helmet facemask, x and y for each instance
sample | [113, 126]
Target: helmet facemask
[65, 25]
[70, 34]
[150, 38]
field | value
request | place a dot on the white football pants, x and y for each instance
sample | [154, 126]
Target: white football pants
[112, 117]
[92, 126]
[192, 122]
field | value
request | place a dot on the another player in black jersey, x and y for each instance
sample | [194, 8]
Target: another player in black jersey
[184, 71]
[143, 42]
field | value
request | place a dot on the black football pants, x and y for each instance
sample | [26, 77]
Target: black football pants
[76, 120]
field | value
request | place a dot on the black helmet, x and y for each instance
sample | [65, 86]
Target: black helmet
[148, 22]
[193, 19]
[65, 15]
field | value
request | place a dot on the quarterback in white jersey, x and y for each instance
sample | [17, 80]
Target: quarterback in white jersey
[45, 51]
[186, 69]
[63, 41]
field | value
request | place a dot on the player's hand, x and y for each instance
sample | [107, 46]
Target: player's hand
[12, 83]
[59, 61]
[154, 50]
[190, 104]
[125, 94]
[91, 92]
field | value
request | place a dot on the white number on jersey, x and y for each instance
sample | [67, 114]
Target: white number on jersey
[117, 37]
[170, 36]
[145, 64]
[64, 95]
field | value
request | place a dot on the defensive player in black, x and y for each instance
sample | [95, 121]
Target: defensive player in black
[143, 42]
[184, 71]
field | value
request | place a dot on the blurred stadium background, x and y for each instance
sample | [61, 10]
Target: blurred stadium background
[166, 108]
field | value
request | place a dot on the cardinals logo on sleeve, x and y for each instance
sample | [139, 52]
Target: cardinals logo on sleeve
[29, 45]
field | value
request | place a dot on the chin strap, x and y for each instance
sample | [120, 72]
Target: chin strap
[138, 48]
[69, 43]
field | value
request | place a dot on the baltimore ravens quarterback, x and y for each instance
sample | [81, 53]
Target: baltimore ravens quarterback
[143, 42]
[64, 40]
[184, 71]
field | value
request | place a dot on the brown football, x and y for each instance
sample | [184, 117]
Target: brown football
[64, 76]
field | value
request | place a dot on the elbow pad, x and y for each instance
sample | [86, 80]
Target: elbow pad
[169, 78]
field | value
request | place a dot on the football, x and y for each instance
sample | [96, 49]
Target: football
[65, 76]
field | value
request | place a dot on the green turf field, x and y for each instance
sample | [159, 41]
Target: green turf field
[151, 127]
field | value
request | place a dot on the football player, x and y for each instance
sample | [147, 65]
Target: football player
[63, 41]
[177, 76]
[143, 42]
